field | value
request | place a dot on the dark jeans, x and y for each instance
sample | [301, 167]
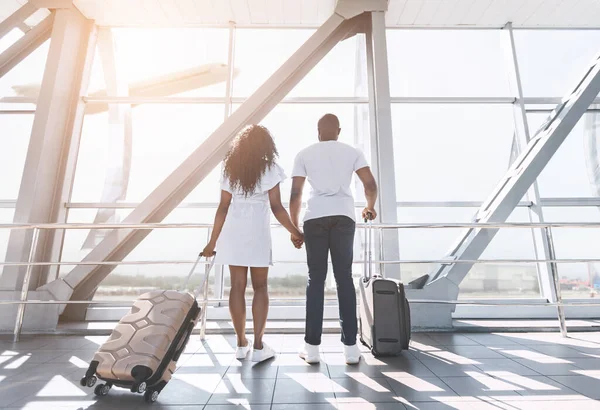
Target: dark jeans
[333, 234]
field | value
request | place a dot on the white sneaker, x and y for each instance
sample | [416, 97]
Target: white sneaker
[310, 354]
[352, 354]
[242, 351]
[260, 355]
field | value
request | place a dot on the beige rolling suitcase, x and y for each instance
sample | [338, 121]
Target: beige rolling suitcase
[142, 351]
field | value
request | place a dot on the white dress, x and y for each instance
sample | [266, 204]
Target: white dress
[245, 239]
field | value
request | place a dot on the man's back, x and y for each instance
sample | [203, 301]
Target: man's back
[329, 167]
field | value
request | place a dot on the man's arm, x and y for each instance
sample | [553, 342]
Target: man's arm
[296, 199]
[368, 180]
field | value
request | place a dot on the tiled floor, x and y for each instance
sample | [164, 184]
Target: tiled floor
[441, 371]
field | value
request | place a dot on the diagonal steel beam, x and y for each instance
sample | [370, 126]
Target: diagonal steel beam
[17, 18]
[521, 175]
[26, 45]
[83, 280]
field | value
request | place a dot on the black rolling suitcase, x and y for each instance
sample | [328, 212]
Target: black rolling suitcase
[384, 320]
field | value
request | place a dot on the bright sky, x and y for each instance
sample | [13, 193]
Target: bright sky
[443, 152]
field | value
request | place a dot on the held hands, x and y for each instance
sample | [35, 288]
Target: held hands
[208, 251]
[369, 214]
[298, 239]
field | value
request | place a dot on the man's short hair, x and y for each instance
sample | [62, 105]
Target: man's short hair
[329, 124]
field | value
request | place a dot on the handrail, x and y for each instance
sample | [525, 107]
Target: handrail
[553, 261]
[276, 262]
[469, 225]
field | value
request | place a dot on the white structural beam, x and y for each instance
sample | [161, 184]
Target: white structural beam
[16, 19]
[25, 45]
[382, 139]
[83, 280]
[521, 175]
[540, 240]
[57, 123]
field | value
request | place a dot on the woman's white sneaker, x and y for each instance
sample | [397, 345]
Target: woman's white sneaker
[352, 354]
[310, 354]
[242, 351]
[260, 355]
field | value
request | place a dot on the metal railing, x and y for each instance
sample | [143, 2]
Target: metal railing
[546, 227]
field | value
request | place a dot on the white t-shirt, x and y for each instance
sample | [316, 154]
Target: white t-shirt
[329, 167]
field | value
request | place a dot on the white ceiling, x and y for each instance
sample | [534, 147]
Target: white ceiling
[401, 13]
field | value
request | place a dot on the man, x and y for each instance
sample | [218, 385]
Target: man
[329, 227]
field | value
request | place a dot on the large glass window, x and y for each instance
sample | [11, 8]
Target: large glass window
[150, 64]
[570, 172]
[578, 279]
[450, 152]
[553, 61]
[447, 63]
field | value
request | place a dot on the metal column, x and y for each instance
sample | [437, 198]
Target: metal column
[83, 280]
[56, 124]
[522, 174]
[522, 136]
[382, 140]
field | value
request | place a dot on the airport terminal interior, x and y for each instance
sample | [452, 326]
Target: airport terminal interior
[480, 120]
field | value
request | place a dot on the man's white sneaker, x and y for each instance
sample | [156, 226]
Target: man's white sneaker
[352, 354]
[242, 351]
[310, 354]
[260, 355]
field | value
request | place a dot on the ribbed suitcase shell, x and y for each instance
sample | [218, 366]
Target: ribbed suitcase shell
[146, 343]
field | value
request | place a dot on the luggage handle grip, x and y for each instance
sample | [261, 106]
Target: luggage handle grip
[368, 257]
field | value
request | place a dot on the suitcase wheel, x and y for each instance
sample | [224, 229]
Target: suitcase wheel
[102, 390]
[151, 395]
[138, 387]
[88, 381]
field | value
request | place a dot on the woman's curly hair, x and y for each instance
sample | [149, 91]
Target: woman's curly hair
[252, 152]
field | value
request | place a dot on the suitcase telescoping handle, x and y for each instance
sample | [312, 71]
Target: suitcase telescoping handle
[202, 288]
[368, 257]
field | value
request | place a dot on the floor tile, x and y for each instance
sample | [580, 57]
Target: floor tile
[557, 351]
[475, 352]
[505, 365]
[235, 390]
[588, 386]
[373, 367]
[414, 388]
[370, 389]
[549, 369]
[292, 363]
[451, 339]
[586, 363]
[305, 388]
[443, 368]
[360, 403]
[479, 384]
[189, 389]
[248, 369]
[233, 407]
[492, 340]
[305, 406]
[536, 385]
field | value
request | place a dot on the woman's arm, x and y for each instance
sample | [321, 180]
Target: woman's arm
[209, 249]
[283, 217]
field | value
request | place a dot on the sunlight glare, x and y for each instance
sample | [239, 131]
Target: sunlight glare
[526, 382]
[413, 382]
[537, 357]
[492, 384]
[368, 382]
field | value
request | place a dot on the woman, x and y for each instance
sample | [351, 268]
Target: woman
[242, 234]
